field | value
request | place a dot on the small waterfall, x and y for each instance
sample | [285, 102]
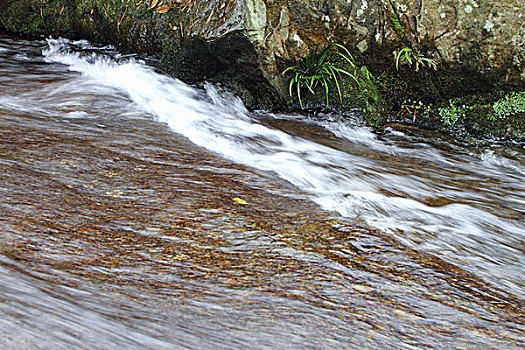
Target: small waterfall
[464, 204]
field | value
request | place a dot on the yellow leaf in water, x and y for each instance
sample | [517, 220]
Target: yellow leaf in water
[140, 3]
[362, 288]
[163, 8]
[240, 201]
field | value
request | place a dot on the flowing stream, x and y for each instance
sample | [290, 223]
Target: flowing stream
[140, 212]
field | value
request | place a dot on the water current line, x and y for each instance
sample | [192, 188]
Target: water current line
[347, 183]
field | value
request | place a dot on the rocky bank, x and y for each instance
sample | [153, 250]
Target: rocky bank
[479, 48]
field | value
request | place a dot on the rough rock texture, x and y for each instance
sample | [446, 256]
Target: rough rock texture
[483, 34]
[195, 40]
[480, 45]
[467, 37]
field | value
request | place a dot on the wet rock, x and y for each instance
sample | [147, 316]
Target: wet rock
[246, 44]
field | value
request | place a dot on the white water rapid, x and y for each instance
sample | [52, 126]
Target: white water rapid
[462, 203]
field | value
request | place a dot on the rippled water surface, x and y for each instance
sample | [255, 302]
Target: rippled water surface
[139, 212]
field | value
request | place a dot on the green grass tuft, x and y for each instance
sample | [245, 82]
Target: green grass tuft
[318, 69]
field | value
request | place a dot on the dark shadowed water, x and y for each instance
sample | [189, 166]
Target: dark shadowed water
[138, 212]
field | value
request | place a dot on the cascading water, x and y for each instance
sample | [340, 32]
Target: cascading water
[139, 212]
[434, 195]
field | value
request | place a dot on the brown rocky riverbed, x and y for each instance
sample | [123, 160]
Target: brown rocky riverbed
[117, 231]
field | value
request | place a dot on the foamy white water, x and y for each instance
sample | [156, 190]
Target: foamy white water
[467, 205]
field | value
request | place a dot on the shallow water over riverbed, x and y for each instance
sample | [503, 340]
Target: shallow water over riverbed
[121, 223]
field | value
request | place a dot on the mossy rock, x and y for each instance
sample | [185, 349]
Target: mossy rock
[22, 17]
